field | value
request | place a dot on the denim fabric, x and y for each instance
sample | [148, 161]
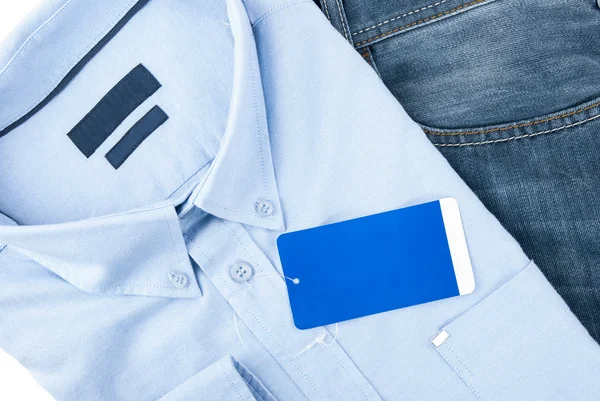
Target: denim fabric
[116, 283]
[509, 92]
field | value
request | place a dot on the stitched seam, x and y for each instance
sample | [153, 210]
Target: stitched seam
[528, 124]
[517, 137]
[252, 258]
[234, 93]
[224, 368]
[433, 17]
[189, 179]
[342, 19]
[469, 371]
[173, 231]
[360, 389]
[257, 263]
[65, 274]
[278, 8]
[399, 17]
[257, 391]
[35, 33]
[237, 212]
[326, 9]
[162, 205]
[459, 373]
[529, 338]
[253, 315]
[258, 128]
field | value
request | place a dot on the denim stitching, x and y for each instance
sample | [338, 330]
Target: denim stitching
[487, 131]
[326, 7]
[399, 17]
[365, 55]
[342, 19]
[517, 137]
[433, 17]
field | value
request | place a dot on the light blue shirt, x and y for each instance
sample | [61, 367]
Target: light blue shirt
[121, 283]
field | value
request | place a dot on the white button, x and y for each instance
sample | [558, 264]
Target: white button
[264, 208]
[241, 272]
[178, 279]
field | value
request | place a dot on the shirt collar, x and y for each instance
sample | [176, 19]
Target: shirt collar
[139, 252]
[239, 186]
[241, 181]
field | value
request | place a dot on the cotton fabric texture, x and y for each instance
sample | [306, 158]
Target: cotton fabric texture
[117, 283]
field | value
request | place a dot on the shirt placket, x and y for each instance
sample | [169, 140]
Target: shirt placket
[246, 278]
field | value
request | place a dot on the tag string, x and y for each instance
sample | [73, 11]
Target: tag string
[320, 339]
[237, 330]
[293, 280]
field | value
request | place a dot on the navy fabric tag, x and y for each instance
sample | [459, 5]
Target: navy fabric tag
[135, 136]
[376, 263]
[111, 111]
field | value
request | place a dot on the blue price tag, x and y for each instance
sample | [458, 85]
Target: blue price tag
[376, 263]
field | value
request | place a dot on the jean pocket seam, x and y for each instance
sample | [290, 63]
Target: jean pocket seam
[552, 123]
[432, 18]
[399, 17]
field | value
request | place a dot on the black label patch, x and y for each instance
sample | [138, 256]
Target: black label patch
[131, 91]
[135, 136]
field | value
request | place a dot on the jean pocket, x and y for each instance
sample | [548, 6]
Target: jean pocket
[496, 62]
[225, 379]
[557, 122]
[522, 343]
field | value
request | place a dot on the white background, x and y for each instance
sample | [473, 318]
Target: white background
[16, 383]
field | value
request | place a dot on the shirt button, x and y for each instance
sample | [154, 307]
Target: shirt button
[264, 208]
[241, 272]
[178, 279]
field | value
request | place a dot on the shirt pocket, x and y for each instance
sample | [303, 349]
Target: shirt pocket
[522, 343]
[225, 379]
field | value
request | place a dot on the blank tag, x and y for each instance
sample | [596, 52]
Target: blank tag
[376, 263]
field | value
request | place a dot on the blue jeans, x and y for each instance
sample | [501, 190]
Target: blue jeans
[509, 92]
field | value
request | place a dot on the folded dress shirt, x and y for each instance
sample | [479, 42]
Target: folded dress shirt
[152, 152]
